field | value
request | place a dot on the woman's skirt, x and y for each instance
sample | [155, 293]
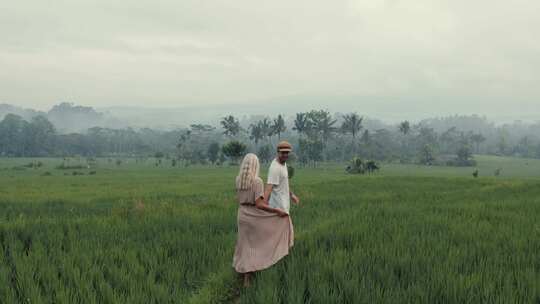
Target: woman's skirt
[263, 239]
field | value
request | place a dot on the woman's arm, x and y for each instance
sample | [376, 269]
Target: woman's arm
[261, 203]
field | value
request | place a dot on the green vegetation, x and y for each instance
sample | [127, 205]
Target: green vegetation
[317, 135]
[137, 233]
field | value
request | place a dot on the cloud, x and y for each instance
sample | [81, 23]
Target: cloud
[466, 55]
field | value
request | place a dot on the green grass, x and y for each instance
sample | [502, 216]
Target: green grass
[141, 234]
[487, 164]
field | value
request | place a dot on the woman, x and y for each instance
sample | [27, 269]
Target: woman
[265, 234]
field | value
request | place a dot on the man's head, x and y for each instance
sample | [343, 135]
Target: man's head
[283, 150]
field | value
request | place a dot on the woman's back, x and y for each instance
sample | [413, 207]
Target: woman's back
[248, 196]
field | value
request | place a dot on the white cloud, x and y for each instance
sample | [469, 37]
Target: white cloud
[184, 52]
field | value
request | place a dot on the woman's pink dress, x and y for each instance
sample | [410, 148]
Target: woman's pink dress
[263, 237]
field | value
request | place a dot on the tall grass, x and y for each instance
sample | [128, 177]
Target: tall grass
[138, 234]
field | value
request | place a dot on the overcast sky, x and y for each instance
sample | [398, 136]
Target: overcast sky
[466, 56]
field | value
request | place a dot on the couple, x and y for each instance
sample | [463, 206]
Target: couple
[265, 230]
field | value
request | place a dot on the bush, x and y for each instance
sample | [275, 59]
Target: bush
[358, 166]
[234, 150]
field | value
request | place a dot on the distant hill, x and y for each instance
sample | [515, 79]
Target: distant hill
[66, 117]
[378, 112]
[27, 114]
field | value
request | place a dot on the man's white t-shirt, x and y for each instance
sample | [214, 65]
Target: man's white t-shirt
[279, 177]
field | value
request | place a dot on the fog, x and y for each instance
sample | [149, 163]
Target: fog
[391, 59]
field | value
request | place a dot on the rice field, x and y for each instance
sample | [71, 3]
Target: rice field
[137, 233]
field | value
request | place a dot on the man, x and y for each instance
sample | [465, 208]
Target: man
[277, 190]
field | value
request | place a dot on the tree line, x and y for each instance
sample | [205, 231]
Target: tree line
[317, 136]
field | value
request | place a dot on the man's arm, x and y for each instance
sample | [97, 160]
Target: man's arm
[268, 192]
[294, 198]
[262, 204]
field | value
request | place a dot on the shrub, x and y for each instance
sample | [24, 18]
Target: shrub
[358, 166]
[234, 150]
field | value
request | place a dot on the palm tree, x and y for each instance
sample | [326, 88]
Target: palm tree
[256, 133]
[405, 127]
[323, 123]
[279, 126]
[231, 126]
[321, 126]
[266, 127]
[301, 123]
[352, 123]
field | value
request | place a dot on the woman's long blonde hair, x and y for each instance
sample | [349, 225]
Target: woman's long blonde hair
[249, 171]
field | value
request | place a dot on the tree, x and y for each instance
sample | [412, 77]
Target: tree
[426, 155]
[13, 135]
[40, 136]
[301, 123]
[322, 123]
[279, 126]
[352, 123]
[524, 147]
[266, 127]
[265, 153]
[405, 127]
[426, 136]
[256, 133]
[502, 144]
[310, 151]
[234, 150]
[321, 127]
[213, 152]
[478, 139]
[231, 126]
[450, 139]
[158, 156]
[184, 149]
[464, 154]
[366, 137]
